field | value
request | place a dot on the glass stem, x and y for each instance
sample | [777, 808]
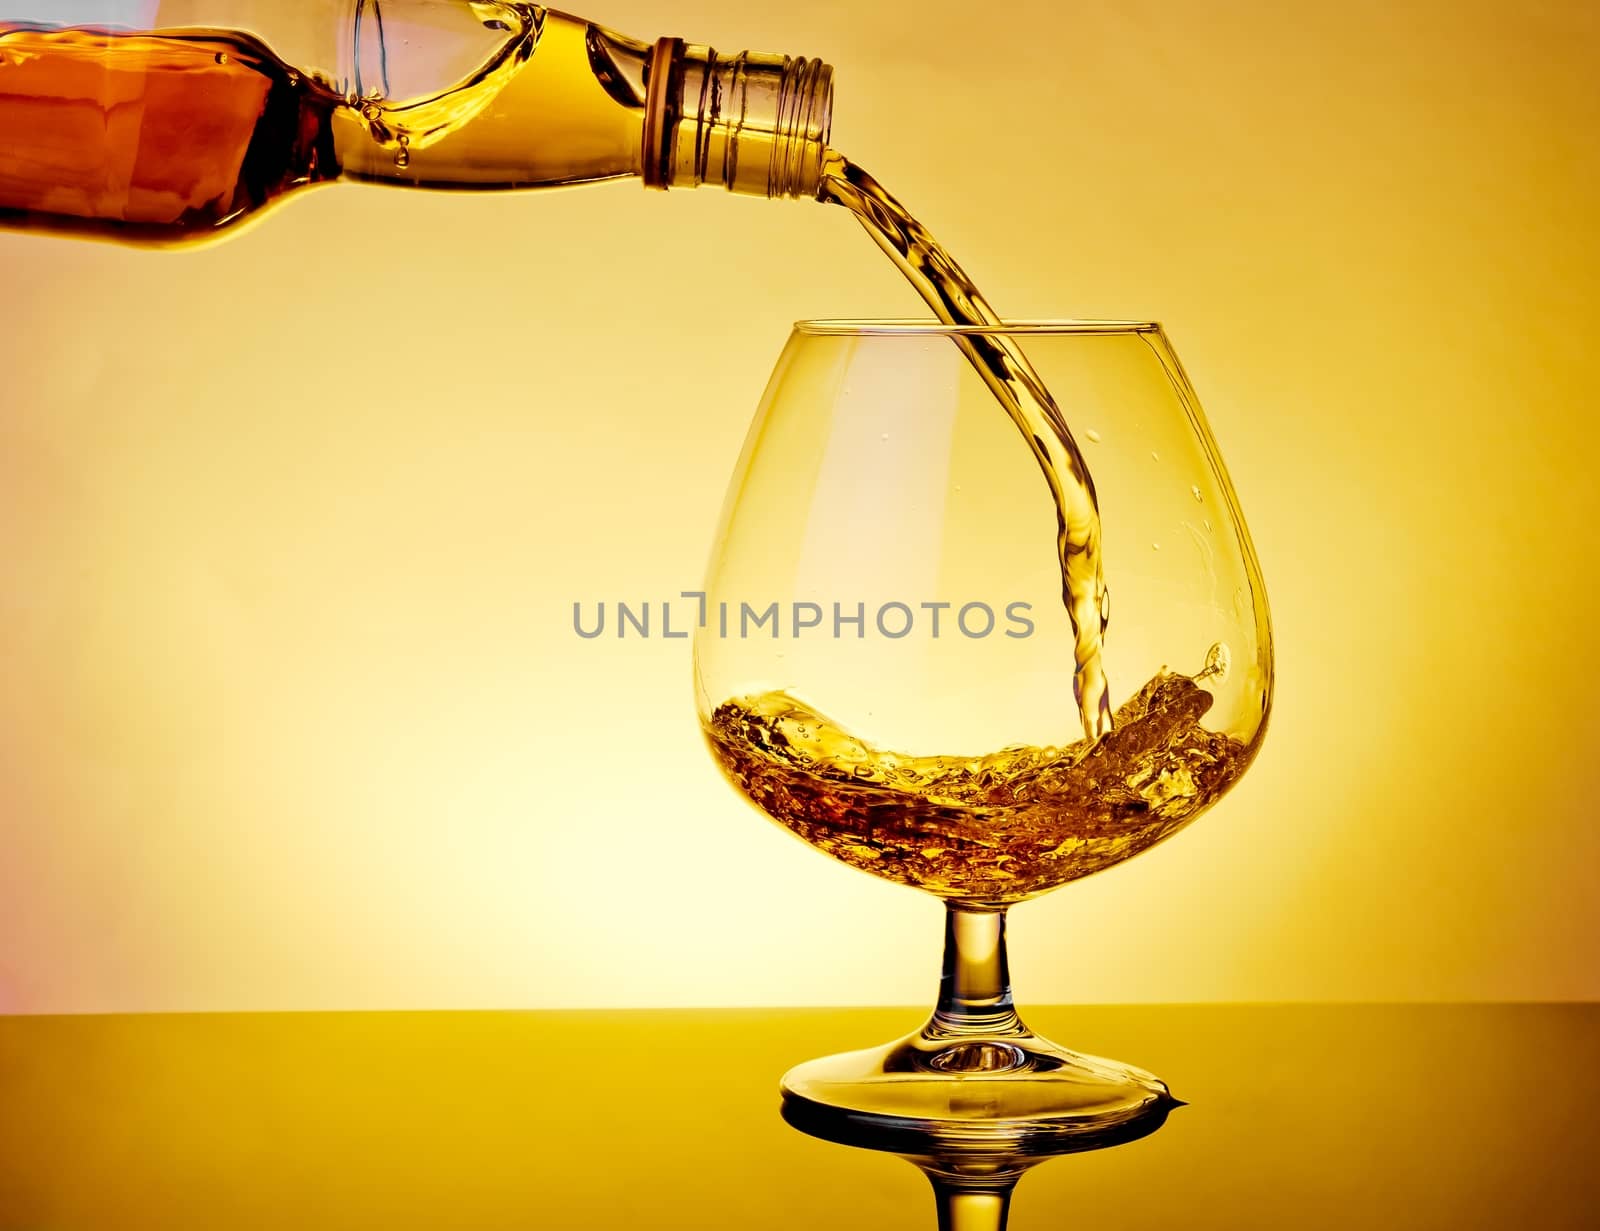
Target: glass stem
[975, 986]
[964, 1209]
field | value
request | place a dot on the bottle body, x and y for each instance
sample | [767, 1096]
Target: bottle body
[177, 134]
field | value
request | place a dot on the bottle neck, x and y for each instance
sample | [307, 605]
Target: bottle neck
[753, 123]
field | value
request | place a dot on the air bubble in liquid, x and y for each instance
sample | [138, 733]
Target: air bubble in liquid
[1218, 660]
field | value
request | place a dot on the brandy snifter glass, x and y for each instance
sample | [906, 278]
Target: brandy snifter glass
[885, 666]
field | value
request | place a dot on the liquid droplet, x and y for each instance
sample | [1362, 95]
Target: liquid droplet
[1198, 498]
[1208, 523]
[294, 78]
[1218, 660]
[402, 158]
[1093, 435]
[221, 57]
[885, 436]
[1154, 456]
[1155, 546]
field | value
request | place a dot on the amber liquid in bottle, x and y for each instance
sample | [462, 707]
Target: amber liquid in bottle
[163, 138]
[178, 136]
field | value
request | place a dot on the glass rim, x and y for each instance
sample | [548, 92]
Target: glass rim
[908, 326]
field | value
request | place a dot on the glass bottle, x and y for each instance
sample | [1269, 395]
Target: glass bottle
[174, 121]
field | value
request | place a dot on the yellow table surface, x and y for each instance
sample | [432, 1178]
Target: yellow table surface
[1297, 1117]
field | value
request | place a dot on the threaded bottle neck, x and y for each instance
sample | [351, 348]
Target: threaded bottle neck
[753, 123]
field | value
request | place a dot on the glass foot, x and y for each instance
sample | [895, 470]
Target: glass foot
[1009, 1091]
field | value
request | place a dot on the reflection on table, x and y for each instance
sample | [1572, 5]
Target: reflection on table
[1304, 1117]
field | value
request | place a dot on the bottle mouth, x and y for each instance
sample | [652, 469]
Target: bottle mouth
[753, 123]
[805, 121]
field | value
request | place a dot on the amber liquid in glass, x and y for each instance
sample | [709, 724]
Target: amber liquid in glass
[991, 829]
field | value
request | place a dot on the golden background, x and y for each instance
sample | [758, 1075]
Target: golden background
[291, 712]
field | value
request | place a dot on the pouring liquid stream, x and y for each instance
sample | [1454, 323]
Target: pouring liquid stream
[997, 358]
